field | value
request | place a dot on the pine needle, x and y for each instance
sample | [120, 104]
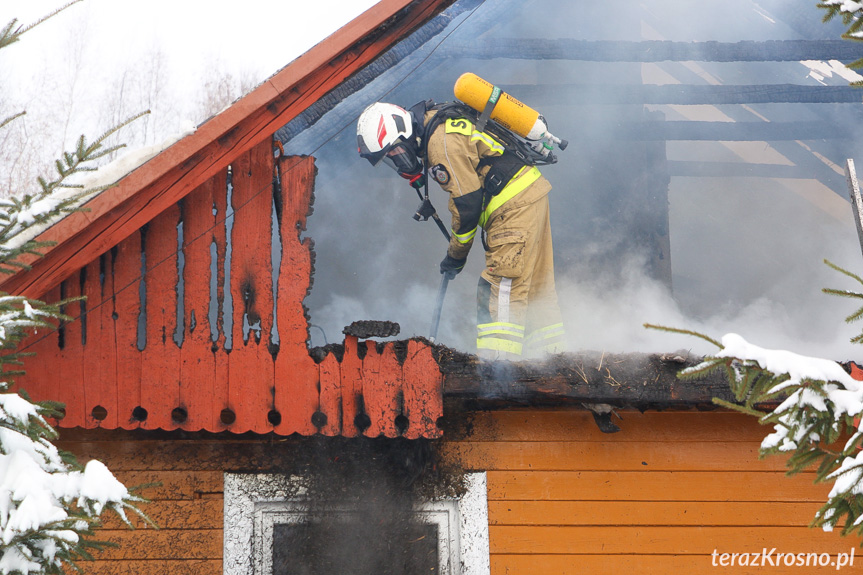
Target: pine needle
[683, 332]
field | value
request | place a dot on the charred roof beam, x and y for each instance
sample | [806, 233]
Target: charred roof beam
[656, 50]
[731, 131]
[620, 94]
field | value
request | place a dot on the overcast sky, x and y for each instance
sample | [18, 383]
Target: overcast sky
[260, 35]
[99, 62]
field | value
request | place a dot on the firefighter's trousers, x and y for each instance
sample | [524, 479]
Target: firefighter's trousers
[517, 309]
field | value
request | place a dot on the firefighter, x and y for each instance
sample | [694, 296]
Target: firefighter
[491, 194]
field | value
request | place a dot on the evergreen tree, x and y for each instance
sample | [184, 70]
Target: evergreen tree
[817, 420]
[851, 13]
[49, 503]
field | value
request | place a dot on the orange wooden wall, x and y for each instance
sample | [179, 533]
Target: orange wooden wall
[141, 354]
[656, 498]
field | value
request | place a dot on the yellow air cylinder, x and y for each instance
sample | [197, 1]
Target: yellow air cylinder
[508, 112]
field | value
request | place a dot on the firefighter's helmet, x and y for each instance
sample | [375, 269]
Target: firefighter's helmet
[385, 133]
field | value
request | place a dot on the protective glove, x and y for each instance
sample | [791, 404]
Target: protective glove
[451, 266]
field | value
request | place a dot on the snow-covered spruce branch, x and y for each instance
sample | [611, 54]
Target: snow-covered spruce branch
[49, 504]
[813, 424]
[851, 13]
[21, 216]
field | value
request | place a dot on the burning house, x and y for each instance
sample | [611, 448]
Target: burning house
[214, 359]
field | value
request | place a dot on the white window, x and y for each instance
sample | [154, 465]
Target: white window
[260, 506]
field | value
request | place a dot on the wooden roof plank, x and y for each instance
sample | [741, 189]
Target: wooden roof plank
[300, 388]
[220, 243]
[330, 396]
[197, 358]
[71, 356]
[351, 386]
[126, 270]
[381, 389]
[108, 347]
[98, 349]
[160, 361]
[423, 391]
[251, 376]
[38, 371]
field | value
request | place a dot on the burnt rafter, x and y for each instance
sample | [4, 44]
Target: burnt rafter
[731, 131]
[656, 50]
[708, 169]
[683, 94]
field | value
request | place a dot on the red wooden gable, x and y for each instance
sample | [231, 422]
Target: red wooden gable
[130, 360]
[141, 353]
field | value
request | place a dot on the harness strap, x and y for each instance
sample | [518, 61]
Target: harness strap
[502, 170]
[489, 107]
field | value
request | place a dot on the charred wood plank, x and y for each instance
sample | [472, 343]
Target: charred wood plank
[639, 380]
[250, 364]
[656, 50]
[730, 131]
[297, 394]
[621, 94]
[701, 169]
[805, 168]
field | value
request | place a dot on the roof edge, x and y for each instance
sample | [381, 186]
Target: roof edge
[166, 178]
[632, 380]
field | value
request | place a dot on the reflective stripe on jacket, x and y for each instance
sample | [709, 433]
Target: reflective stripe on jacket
[455, 149]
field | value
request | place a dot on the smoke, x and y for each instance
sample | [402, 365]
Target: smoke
[360, 498]
[697, 234]
[610, 316]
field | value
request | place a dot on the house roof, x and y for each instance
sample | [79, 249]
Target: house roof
[402, 382]
[172, 174]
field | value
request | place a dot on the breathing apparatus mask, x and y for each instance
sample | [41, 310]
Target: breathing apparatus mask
[402, 157]
[388, 133]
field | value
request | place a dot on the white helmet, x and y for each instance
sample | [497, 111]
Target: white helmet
[385, 132]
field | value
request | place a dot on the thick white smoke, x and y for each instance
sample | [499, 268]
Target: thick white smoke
[749, 222]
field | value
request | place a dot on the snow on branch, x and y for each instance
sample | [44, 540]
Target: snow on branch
[49, 504]
[816, 422]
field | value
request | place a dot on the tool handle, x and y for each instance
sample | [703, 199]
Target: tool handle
[441, 225]
[444, 281]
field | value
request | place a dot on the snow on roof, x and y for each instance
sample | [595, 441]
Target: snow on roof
[97, 181]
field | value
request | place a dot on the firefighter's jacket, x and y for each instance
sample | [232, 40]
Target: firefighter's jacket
[454, 151]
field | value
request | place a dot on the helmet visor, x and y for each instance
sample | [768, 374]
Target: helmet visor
[403, 159]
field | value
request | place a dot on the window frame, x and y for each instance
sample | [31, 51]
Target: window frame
[255, 503]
